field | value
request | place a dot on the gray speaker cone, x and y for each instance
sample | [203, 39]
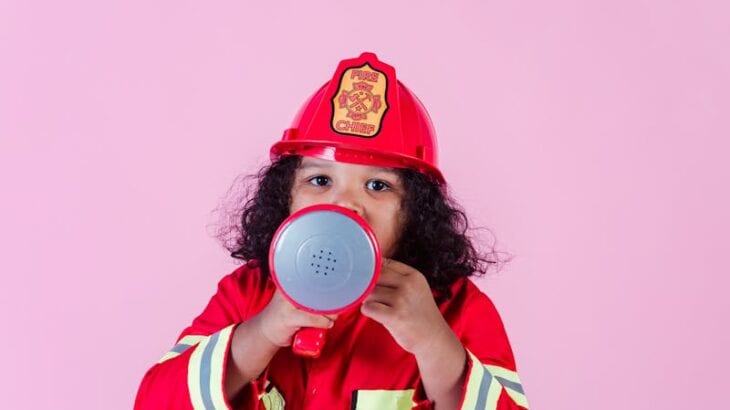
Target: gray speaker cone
[324, 260]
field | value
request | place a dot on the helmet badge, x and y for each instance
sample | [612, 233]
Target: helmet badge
[359, 105]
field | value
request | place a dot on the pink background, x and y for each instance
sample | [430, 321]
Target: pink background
[590, 136]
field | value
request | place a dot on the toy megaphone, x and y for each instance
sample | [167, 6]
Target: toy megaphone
[324, 259]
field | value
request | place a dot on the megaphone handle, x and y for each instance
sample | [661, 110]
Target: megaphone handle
[308, 342]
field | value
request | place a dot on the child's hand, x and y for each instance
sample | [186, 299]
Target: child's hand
[280, 320]
[402, 302]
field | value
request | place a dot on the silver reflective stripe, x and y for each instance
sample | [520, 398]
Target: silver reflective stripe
[510, 385]
[483, 390]
[205, 372]
[179, 348]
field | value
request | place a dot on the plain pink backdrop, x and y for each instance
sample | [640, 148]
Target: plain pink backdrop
[590, 136]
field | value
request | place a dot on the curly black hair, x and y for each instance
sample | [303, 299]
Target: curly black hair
[434, 239]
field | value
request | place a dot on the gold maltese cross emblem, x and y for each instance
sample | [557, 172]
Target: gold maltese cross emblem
[360, 104]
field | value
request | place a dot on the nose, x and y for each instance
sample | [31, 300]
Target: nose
[346, 198]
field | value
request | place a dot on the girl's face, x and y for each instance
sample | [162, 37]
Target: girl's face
[374, 193]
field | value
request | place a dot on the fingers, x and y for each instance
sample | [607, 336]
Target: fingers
[393, 273]
[376, 311]
[390, 277]
[290, 316]
[384, 295]
[394, 265]
[399, 292]
[301, 318]
[387, 281]
[380, 304]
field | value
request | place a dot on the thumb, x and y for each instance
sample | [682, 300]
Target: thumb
[306, 319]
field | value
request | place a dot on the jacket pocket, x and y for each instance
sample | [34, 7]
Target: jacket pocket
[383, 400]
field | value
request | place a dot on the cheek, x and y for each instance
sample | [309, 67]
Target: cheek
[299, 199]
[388, 229]
[294, 204]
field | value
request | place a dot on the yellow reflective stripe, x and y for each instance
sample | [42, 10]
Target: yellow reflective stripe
[196, 397]
[205, 371]
[384, 399]
[190, 339]
[217, 372]
[518, 398]
[169, 355]
[182, 345]
[473, 381]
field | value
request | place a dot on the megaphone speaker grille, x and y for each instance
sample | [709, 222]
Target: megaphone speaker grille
[324, 260]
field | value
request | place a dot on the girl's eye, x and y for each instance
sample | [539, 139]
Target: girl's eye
[319, 180]
[377, 185]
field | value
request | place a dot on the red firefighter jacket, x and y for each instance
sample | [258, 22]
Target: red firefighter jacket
[361, 367]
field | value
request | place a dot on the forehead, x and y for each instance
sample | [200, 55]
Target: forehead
[311, 163]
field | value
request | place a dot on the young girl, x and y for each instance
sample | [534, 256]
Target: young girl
[426, 337]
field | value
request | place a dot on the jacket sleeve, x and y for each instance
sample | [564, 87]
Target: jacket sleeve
[491, 381]
[191, 375]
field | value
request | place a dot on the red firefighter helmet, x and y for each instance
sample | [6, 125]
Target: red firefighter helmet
[364, 115]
